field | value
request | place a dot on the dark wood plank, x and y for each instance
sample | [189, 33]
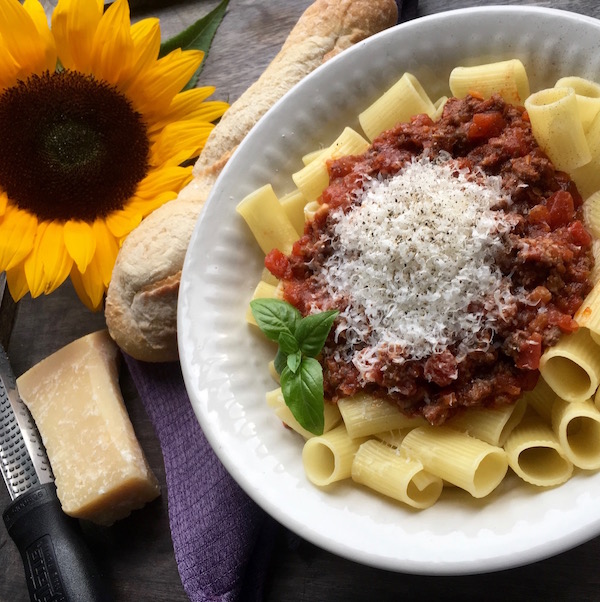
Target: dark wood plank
[136, 553]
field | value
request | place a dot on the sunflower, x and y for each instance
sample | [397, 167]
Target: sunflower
[95, 133]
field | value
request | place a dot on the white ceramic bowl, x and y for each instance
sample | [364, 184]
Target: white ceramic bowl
[225, 362]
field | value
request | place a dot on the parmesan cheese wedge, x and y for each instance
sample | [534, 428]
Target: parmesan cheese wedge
[74, 397]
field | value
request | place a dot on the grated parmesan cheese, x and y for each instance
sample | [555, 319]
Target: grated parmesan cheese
[415, 261]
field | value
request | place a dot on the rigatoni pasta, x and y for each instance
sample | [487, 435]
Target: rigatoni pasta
[403, 100]
[464, 461]
[328, 458]
[572, 366]
[268, 220]
[552, 429]
[555, 120]
[391, 472]
[577, 426]
[507, 78]
[366, 415]
[492, 425]
[587, 93]
[535, 454]
[313, 178]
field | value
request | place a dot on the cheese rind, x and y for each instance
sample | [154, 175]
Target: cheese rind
[74, 397]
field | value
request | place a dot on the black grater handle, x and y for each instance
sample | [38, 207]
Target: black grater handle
[59, 566]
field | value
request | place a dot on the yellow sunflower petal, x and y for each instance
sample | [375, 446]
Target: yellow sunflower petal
[112, 50]
[80, 243]
[9, 68]
[21, 37]
[3, 203]
[106, 251]
[88, 286]
[17, 236]
[17, 283]
[153, 91]
[121, 223]
[40, 20]
[180, 141]
[146, 207]
[74, 24]
[172, 177]
[145, 35]
[56, 261]
[197, 111]
[33, 266]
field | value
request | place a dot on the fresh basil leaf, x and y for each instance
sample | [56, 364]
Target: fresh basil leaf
[303, 394]
[287, 342]
[198, 36]
[312, 331]
[280, 361]
[294, 360]
[274, 316]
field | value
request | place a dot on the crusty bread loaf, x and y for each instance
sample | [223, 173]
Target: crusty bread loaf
[141, 304]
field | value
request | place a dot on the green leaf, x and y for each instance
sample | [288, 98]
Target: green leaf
[287, 342]
[280, 361]
[197, 36]
[294, 361]
[303, 394]
[274, 316]
[312, 331]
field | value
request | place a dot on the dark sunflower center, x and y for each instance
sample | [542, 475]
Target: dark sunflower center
[71, 146]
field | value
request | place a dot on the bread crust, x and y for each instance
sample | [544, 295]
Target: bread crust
[141, 303]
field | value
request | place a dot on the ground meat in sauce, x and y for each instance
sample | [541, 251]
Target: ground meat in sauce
[550, 258]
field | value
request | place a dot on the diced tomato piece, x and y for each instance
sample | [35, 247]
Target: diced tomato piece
[538, 214]
[579, 235]
[563, 321]
[560, 209]
[486, 125]
[278, 264]
[530, 353]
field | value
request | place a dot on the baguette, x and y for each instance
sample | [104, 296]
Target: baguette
[141, 303]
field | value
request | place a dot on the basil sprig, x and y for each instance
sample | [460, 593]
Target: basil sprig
[300, 341]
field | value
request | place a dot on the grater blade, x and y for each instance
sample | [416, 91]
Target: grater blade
[23, 460]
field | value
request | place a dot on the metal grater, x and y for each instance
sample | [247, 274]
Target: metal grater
[58, 565]
[23, 460]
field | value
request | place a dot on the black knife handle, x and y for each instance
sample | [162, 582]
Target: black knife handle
[58, 564]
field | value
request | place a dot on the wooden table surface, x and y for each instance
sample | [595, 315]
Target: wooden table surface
[136, 554]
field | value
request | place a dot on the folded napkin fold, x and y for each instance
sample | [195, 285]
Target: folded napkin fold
[222, 539]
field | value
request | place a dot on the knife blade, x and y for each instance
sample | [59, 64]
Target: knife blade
[59, 566]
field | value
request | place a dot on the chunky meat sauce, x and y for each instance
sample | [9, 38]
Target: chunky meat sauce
[550, 259]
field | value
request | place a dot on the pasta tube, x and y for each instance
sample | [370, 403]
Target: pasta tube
[577, 426]
[591, 214]
[390, 472]
[572, 366]
[464, 461]
[555, 122]
[313, 178]
[507, 78]
[535, 454]
[492, 425]
[267, 220]
[398, 104]
[587, 93]
[541, 399]
[293, 204]
[365, 415]
[588, 315]
[328, 458]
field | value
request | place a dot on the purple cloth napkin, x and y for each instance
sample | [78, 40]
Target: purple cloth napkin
[222, 540]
